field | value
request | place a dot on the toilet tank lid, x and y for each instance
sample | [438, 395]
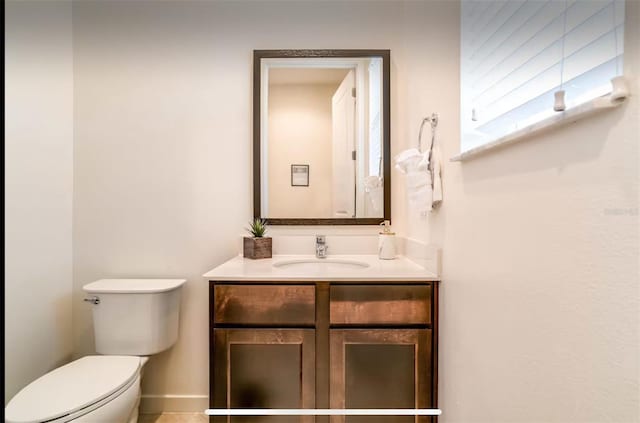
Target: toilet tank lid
[71, 388]
[133, 286]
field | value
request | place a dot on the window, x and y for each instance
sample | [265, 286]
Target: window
[517, 54]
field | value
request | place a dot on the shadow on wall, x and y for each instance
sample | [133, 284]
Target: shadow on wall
[159, 366]
[557, 148]
[62, 309]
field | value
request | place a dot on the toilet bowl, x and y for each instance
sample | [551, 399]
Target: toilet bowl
[133, 318]
[90, 389]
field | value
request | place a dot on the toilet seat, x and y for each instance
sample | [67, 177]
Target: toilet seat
[74, 389]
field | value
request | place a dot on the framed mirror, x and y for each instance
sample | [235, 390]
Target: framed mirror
[321, 137]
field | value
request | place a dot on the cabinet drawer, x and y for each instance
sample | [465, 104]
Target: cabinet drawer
[380, 304]
[265, 304]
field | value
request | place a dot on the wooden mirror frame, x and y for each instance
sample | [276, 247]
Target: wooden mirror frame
[258, 55]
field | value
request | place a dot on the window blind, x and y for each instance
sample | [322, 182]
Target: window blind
[516, 53]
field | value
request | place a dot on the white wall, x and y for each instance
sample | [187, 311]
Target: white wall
[539, 302]
[163, 103]
[540, 313]
[38, 189]
[300, 132]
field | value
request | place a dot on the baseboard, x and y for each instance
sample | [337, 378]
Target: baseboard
[156, 404]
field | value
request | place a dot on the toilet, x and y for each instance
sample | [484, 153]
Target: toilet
[133, 319]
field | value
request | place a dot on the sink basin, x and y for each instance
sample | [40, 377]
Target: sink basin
[321, 264]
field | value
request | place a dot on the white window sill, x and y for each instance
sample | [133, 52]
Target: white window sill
[568, 116]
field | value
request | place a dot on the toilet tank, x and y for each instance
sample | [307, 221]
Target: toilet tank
[134, 316]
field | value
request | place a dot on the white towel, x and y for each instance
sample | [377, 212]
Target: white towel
[408, 160]
[406, 154]
[423, 164]
[371, 182]
[419, 191]
[422, 195]
[420, 198]
[373, 187]
[436, 159]
[376, 196]
[416, 179]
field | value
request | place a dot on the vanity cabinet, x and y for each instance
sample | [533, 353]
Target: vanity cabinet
[264, 368]
[380, 368]
[323, 345]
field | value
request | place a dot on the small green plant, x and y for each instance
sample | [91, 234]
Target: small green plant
[257, 227]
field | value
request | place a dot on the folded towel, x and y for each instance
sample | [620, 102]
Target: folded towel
[408, 160]
[375, 191]
[417, 179]
[422, 194]
[437, 179]
[371, 182]
[420, 199]
[407, 154]
[423, 164]
[376, 196]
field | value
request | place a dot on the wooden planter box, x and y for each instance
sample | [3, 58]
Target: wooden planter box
[256, 248]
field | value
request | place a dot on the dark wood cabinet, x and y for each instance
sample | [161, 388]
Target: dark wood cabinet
[323, 345]
[380, 305]
[381, 368]
[261, 305]
[264, 368]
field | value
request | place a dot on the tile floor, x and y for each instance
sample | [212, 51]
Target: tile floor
[173, 418]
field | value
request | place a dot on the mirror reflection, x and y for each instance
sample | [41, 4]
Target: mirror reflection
[321, 138]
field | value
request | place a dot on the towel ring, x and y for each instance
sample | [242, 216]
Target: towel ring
[433, 120]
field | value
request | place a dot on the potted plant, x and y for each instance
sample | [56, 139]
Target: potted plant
[257, 246]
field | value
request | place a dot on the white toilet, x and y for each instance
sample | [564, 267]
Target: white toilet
[133, 318]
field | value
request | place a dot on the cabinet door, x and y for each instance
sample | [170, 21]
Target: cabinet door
[381, 368]
[264, 368]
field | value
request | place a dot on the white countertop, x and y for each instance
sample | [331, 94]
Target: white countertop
[242, 269]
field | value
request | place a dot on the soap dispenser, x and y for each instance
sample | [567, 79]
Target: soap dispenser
[386, 242]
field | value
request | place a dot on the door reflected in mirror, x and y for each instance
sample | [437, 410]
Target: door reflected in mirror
[323, 137]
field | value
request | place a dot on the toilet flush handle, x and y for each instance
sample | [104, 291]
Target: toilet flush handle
[93, 300]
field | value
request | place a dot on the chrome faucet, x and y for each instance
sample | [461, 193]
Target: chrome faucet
[321, 246]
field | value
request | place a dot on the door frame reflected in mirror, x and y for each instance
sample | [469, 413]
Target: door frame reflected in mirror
[258, 55]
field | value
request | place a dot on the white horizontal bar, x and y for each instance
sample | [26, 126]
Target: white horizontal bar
[323, 412]
[570, 115]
